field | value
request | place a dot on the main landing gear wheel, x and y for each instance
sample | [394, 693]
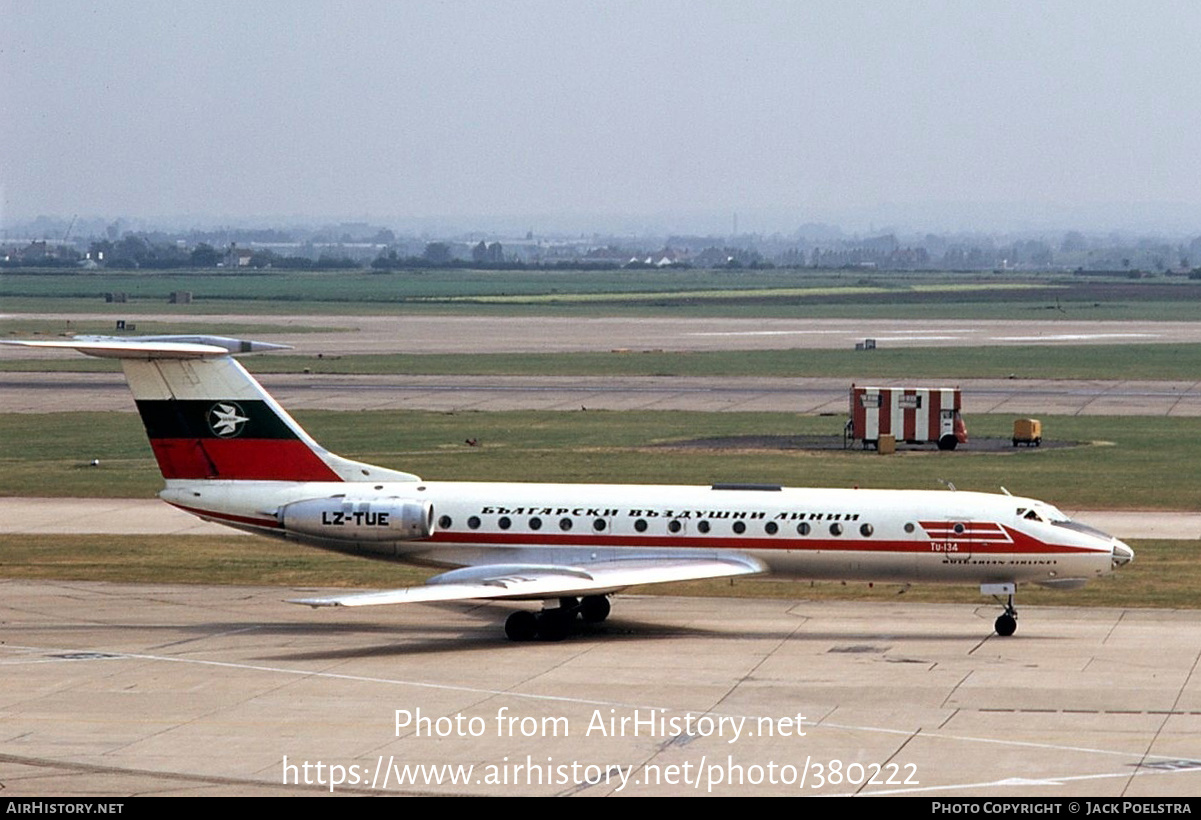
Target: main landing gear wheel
[548, 625]
[594, 609]
[522, 625]
[1007, 622]
[554, 624]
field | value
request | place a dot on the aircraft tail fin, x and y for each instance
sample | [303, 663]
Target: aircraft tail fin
[208, 418]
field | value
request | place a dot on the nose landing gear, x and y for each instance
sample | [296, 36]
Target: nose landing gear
[1007, 622]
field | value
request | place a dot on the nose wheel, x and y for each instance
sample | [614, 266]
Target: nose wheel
[1007, 622]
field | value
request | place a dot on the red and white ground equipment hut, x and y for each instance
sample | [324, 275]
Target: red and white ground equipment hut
[915, 415]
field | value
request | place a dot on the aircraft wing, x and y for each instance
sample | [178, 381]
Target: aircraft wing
[545, 581]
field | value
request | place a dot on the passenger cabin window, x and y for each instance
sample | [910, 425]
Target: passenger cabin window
[771, 528]
[504, 522]
[473, 522]
[565, 524]
[444, 522]
[674, 526]
[803, 528]
[640, 525]
[739, 527]
[703, 526]
[535, 523]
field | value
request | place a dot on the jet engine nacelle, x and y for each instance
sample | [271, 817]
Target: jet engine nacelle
[347, 519]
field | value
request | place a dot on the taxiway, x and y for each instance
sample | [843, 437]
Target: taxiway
[113, 689]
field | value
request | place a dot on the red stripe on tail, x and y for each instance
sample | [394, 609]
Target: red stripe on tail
[240, 459]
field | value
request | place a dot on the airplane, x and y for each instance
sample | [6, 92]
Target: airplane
[230, 454]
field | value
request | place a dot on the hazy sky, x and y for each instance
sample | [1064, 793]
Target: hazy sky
[800, 111]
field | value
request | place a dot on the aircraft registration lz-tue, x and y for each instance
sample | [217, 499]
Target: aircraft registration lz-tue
[229, 453]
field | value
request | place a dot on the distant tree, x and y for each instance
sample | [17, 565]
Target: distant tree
[205, 255]
[130, 252]
[437, 253]
[1073, 242]
[327, 262]
[263, 258]
[388, 260]
[101, 250]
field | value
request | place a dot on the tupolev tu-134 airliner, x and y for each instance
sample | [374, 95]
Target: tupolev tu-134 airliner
[230, 454]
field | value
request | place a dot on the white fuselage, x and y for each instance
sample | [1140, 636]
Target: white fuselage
[876, 535]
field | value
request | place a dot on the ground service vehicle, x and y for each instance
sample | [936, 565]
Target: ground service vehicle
[915, 415]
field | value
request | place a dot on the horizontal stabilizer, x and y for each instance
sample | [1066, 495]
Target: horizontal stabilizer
[532, 582]
[155, 347]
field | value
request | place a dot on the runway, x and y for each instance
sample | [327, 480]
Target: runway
[173, 690]
[107, 392]
[556, 334]
[552, 334]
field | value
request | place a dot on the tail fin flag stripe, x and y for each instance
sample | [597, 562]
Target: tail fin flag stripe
[240, 459]
[210, 420]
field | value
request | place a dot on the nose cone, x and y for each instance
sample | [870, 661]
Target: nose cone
[1122, 554]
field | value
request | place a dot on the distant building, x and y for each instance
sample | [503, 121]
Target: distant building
[487, 253]
[238, 257]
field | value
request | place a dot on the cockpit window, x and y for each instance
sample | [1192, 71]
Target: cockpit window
[1041, 513]
[1076, 526]
[1052, 514]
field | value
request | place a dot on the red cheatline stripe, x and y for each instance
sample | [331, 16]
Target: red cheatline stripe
[270, 523]
[240, 459]
[779, 543]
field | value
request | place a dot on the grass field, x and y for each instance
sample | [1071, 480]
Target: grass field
[794, 293]
[1168, 362]
[764, 293]
[1181, 362]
